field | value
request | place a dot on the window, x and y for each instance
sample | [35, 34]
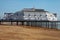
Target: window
[29, 15]
[50, 15]
[34, 15]
[45, 15]
[40, 15]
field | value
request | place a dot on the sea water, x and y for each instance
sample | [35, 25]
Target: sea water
[58, 26]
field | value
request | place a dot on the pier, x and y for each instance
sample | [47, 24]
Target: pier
[35, 23]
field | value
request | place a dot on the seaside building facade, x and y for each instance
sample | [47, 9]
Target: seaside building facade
[38, 14]
[31, 14]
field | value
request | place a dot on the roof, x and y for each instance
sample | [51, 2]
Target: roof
[8, 13]
[33, 10]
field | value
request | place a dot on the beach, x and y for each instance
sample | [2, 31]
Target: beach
[14, 32]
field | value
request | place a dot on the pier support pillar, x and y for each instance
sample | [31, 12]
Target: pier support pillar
[30, 23]
[51, 25]
[27, 23]
[48, 25]
[0, 22]
[22, 23]
[55, 25]
[17, 23]
[11, 23]
[41, 24]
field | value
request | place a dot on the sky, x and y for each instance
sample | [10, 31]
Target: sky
[12, 6]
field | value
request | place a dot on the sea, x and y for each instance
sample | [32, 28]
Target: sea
[58, 26]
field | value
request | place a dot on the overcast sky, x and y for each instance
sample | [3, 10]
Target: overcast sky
[17, 5]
